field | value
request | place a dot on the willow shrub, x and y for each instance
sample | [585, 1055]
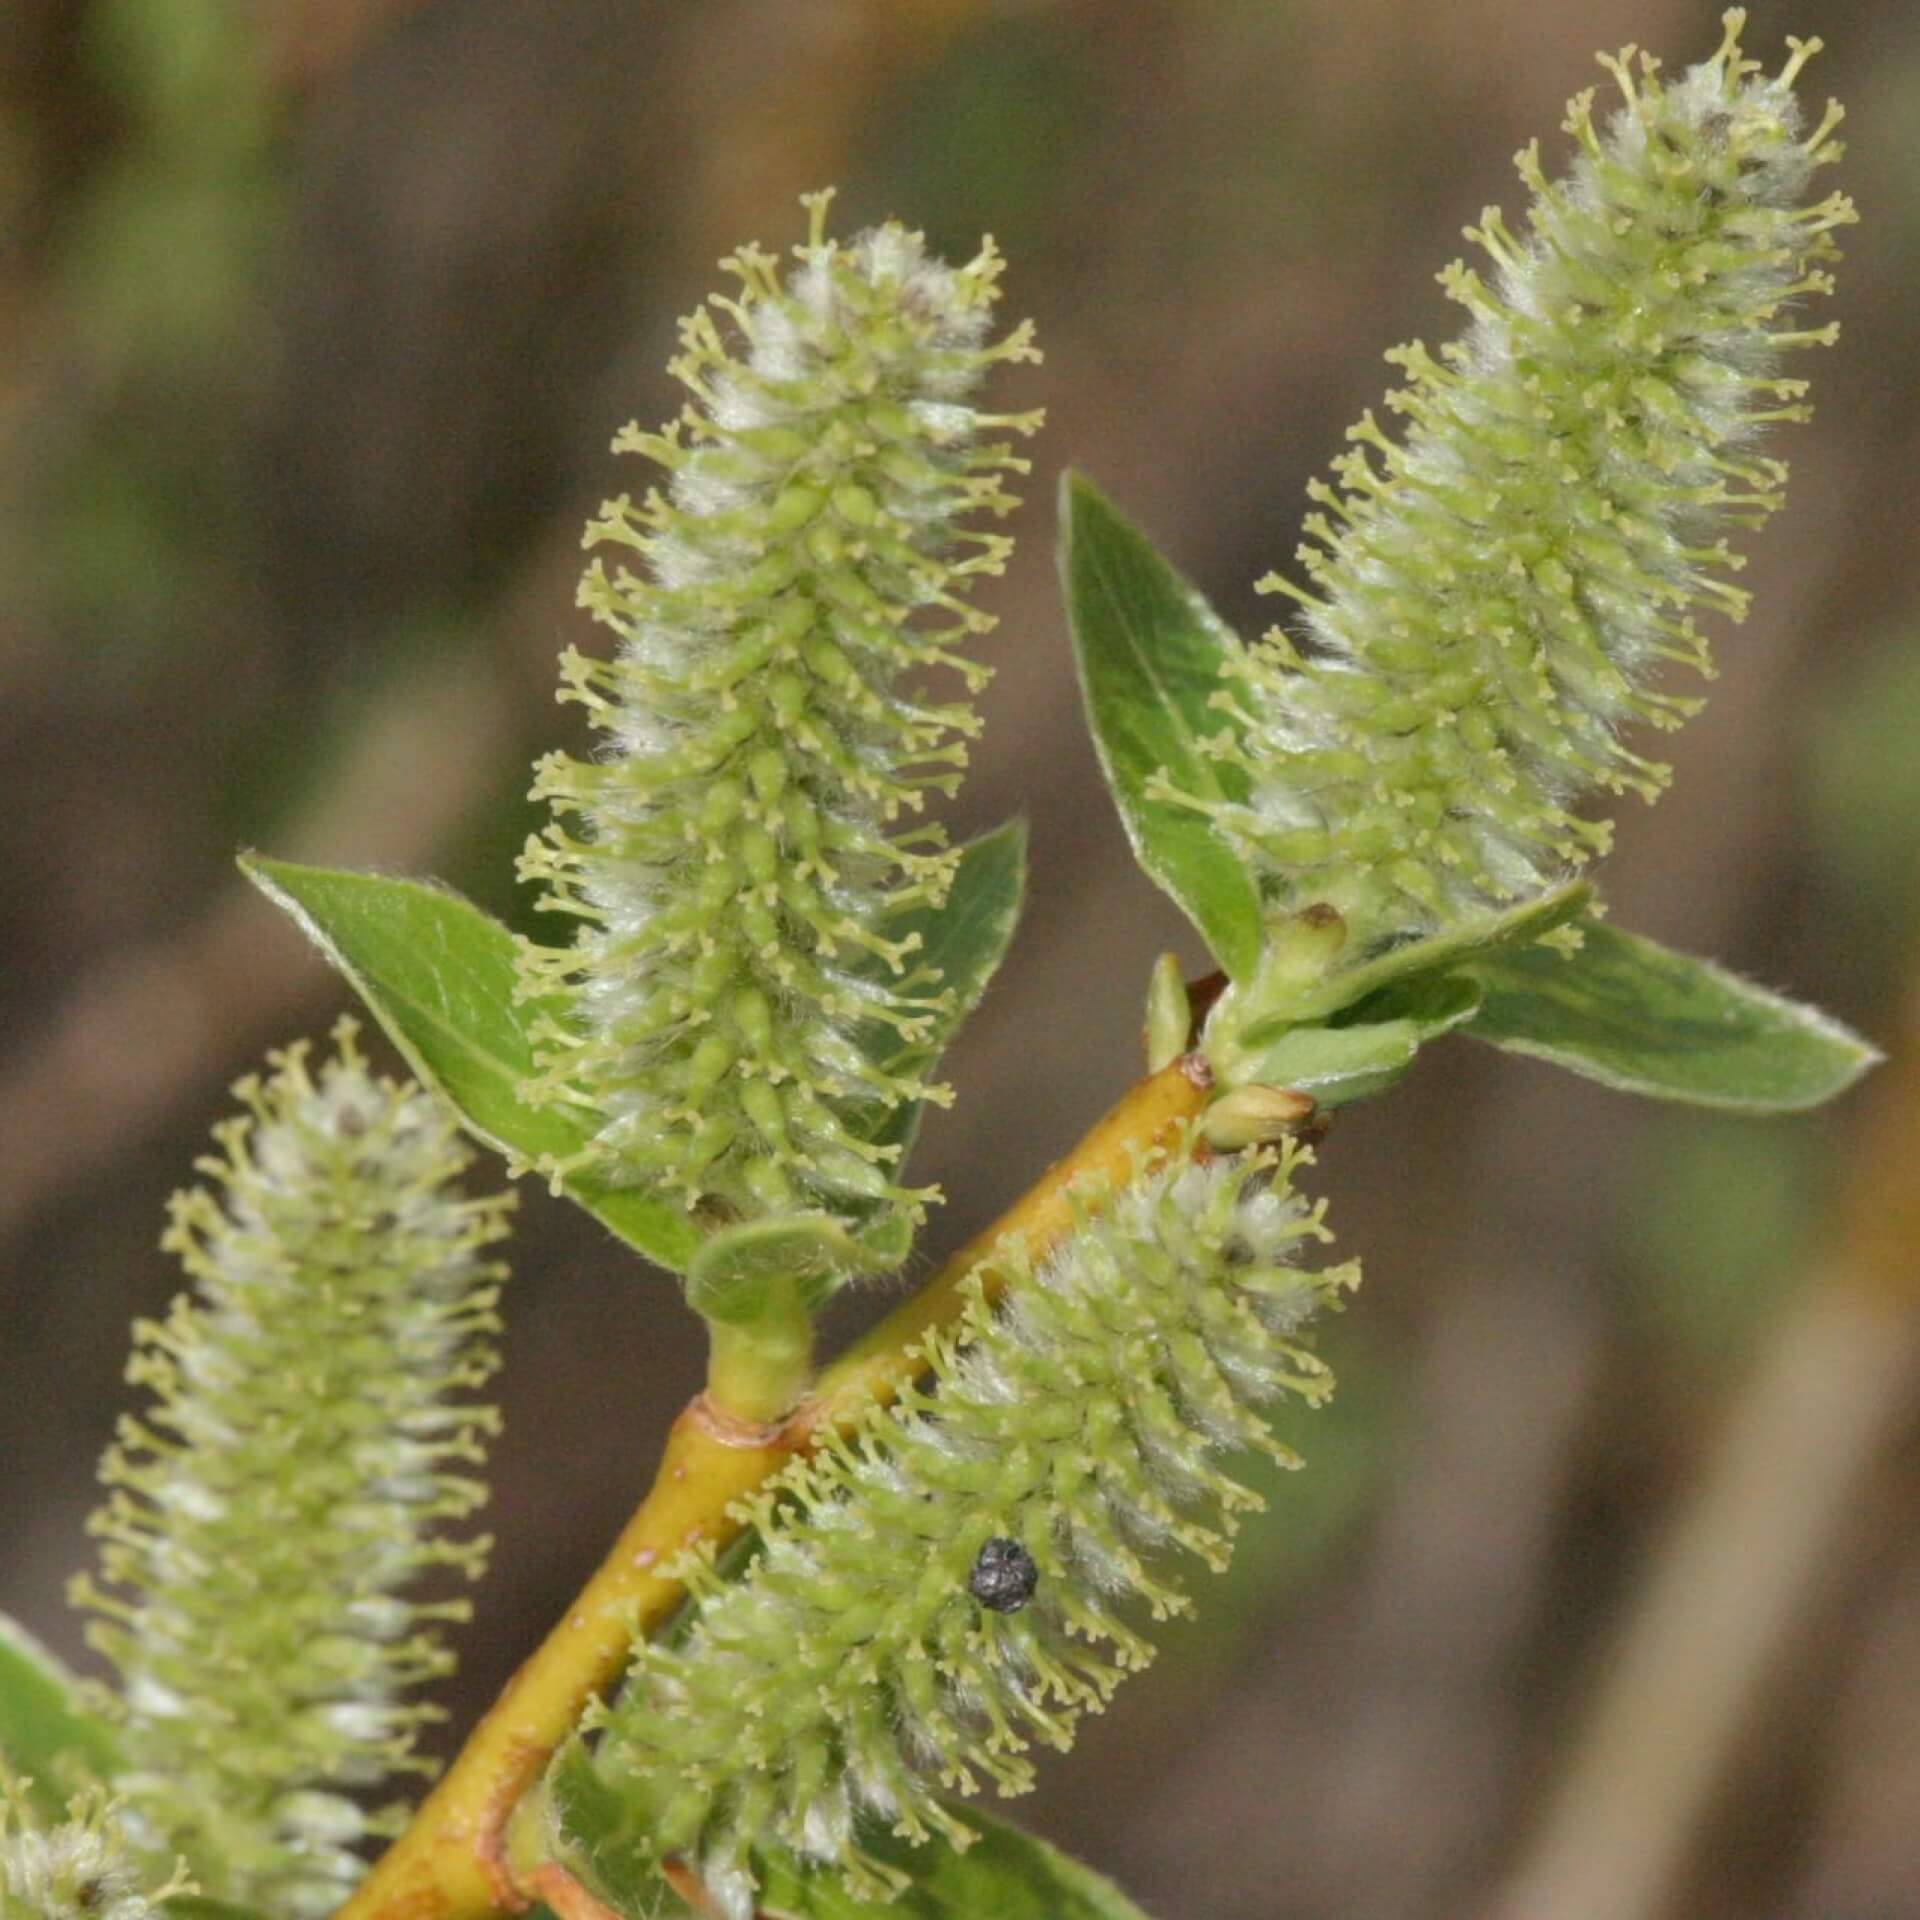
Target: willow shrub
[1374, 814]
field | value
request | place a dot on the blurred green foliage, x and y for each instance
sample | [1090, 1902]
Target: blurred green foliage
[1000, 121]
[160, 266]
[1346, 1449]
[1862, 787]
[1724, 1209]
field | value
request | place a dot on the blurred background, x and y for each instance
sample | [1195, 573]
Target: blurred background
[1600, 1595]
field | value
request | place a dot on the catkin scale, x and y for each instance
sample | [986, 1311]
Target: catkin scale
[736, 856]
[853, 1671]
[310, 1441]
[1488, 597]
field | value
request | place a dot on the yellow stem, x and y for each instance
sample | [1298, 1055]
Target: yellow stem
[448, 1864]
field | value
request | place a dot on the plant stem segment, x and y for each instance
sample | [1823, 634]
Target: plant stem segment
[447, 1864]
[757, 1373]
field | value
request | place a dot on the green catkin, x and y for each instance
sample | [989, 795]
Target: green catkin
[851, 1673]
[79, 1868]
[735, 855]
[1489, 596]
[307, 1445]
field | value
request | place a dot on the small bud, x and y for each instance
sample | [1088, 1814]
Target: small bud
[1302, 947]
[1169, 1024]
[1252, 1116]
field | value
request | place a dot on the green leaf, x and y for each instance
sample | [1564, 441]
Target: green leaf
[887, 1240]
[964, 939]
[576, 1821]
[1520, 926]
[440, 976]
[1336, 1065]
[1635, 1015]
[1260, 1028]
[1004, 1875]
[43, 1715]
[1435, 1003]
[738, 1269]
[1149, 652]
[1364, 1049]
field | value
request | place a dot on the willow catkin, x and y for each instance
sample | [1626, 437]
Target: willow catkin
[1490, 597]
[964, 1574]
[738, 854]
[309, 1443]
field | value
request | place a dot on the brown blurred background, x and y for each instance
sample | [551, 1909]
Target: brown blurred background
[1601, 1593]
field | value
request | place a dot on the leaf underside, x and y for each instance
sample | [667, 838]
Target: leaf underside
[1640, 1017]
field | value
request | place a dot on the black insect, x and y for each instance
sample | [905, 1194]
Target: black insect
[1003, 1576]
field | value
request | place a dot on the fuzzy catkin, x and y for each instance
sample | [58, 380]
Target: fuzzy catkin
[851, 1672]
[304, 1452]
[736, 854]
[1490, 595]
[79, 1868]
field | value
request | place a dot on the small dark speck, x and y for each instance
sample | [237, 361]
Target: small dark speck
[1003, 1576]
[351, 1122]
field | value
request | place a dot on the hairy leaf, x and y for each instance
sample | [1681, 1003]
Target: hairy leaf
[1635, 1015]
[1006, 1874]
[1336, 1065]
[1364, 1049]
[1271, 1007]
[964, 940]
[738, 1270]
